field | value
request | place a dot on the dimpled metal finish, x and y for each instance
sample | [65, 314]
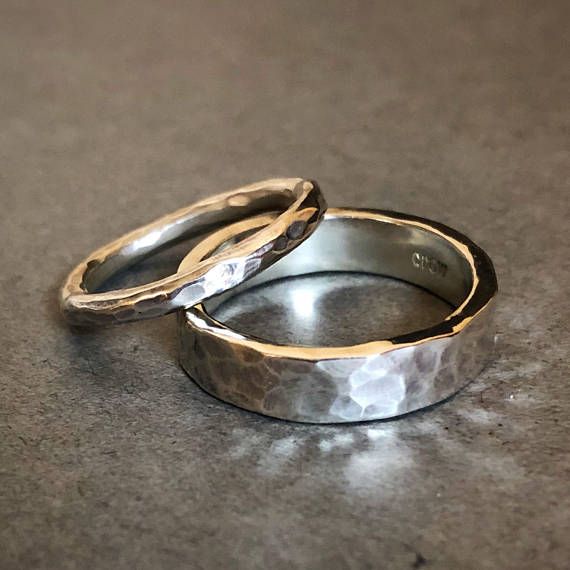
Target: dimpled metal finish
[380, 379]
[336, 390]
[302, 206]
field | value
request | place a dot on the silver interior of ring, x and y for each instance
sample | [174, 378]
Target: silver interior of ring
[198, 223]
[411, 254]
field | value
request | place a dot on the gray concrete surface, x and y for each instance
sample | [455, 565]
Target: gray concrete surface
[112, 113]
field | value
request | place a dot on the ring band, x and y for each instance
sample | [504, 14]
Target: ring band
[374, 380]
[303, 206]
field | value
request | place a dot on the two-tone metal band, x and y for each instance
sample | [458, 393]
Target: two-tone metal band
[378, 379]
[301, 205]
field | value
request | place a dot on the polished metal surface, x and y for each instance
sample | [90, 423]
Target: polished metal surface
[302, 206]
[373, 380]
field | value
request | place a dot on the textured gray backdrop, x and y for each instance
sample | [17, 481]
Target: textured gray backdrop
[114, 112]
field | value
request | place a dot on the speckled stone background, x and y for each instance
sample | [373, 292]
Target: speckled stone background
[114, 112]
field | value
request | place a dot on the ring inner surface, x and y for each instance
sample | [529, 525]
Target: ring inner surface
[196, 222]
[343, 244]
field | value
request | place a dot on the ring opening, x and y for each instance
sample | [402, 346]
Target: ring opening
[331, 310]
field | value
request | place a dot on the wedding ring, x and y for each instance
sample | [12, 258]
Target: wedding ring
[373, 380]
[301, 205]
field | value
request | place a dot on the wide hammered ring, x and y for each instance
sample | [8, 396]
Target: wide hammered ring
[374, 380]
[301, 205]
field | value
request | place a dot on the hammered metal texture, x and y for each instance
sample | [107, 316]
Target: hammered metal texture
[300, 202]
[337, 390]
[371, 381]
